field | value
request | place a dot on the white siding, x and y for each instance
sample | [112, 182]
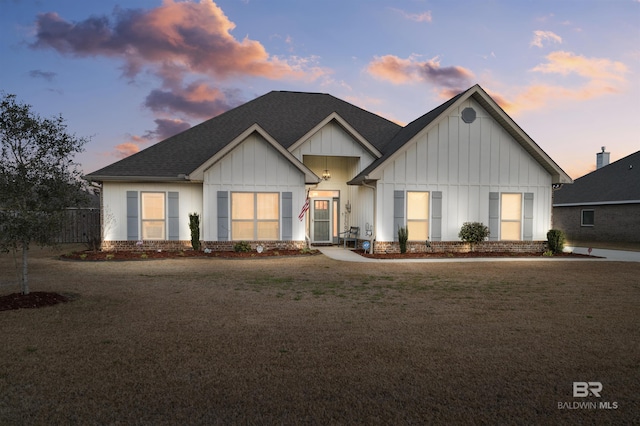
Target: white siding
[333, 148]
[465, 162]
[333, 140]
[254, 165]
[115, 200]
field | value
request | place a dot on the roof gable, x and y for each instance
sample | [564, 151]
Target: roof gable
[285, 116]
[346, 126]
[198, 174]
[616, 183]
[426, 122]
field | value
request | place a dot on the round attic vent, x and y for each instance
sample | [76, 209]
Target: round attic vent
[468, 115]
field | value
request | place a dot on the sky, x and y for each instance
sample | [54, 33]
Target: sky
[127, 74]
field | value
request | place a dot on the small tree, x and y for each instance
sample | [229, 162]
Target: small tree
[556, 240]
[403, 237]
[194, 226]
[473, 233]
[38, 178]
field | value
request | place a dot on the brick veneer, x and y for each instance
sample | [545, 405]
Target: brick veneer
[379, 246]
[186, 245]
[461, 247]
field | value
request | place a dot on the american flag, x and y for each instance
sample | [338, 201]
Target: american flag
[304, 209]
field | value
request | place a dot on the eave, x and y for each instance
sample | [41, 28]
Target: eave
[140, 179]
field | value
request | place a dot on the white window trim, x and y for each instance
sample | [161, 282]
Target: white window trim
[427, 220]
[520, 220]
[255, 220]
[163, 220]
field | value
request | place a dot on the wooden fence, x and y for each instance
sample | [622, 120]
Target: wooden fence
[80, 225]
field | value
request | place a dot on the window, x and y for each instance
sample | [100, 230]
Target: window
[255, 216]
[418, 216]
[588, 218]
[510, 216]
[153, 215]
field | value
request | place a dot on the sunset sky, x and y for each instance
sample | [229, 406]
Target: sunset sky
[130, 73]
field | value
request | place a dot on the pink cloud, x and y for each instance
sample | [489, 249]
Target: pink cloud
[539, 37]
[126, 149]
[397, 70]
[566, 63]
[186, 45]
[197, 100]
[187, 36]
[165, 128]
[597, 77]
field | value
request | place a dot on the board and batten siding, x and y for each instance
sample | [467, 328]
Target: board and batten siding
[345, 159]
[252, 166]
[115, 217]
[465, 162]
[332, 140]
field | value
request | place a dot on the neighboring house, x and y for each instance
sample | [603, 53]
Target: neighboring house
[603, 205]
[249, 171]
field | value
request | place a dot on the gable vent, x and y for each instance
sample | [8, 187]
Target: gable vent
[468, 115]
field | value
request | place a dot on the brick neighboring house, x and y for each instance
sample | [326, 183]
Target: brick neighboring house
[603, 205]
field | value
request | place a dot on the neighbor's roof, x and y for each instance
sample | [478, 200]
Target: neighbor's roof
[285, 116]
[616, 183]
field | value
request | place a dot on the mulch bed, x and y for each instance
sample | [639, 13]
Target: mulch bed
[472, 254]
[163, 254]
[36, 299]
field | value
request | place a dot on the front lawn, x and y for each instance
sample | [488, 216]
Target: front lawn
[309, 340]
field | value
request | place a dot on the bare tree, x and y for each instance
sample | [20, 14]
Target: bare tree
[38, 178]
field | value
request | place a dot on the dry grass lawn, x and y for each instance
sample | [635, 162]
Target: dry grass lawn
[310, 340]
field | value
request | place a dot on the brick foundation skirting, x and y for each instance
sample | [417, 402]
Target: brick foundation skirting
[379, 246]
[461, 247]
[186, 245]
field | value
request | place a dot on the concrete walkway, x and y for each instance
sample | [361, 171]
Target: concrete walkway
[346, 255]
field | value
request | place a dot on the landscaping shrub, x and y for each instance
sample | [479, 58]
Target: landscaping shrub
[403, 236]
[473, 232]
[194, 226]
[556, 240]
[242, 247]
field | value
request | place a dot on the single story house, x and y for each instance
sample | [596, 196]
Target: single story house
[603, 205]
[289, 169]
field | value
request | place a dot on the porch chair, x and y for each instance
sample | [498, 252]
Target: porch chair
[351, 235]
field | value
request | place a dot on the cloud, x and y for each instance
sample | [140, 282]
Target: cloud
[126, 149]
[187, 45]
[597, 77]
[46, 75]
[165, 128]
[193, 37]
[196, 100]
[410, 70]
[417, 17]
[543, 36]
[597, 69]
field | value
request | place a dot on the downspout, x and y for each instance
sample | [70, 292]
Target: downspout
[375, 212]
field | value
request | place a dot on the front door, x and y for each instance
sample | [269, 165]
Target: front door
[321, 228]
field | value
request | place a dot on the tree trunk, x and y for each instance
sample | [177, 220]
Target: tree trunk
[25, 283]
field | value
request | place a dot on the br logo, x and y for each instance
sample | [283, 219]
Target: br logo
[584, 389]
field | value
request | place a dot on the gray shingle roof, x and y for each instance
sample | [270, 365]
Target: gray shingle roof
[617, 182]
[286, 116]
